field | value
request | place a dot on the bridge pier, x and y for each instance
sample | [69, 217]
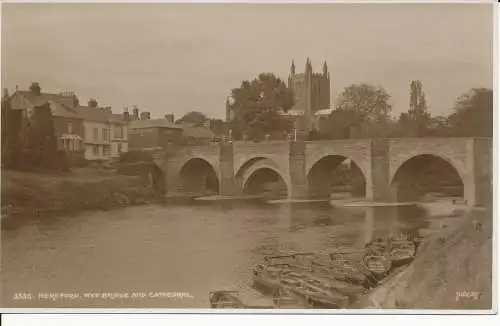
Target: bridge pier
[299, 183]
[478, 180]
[378, 187]
[227, 180]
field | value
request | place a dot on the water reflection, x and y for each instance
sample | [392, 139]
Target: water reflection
[193, 248]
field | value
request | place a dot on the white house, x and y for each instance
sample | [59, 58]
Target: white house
[105, 133]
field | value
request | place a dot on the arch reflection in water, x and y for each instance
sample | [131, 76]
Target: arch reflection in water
[358, 226]
[267, 182]
[382, 222]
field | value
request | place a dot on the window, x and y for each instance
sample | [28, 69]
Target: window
[70, 128]
[96, 133]
[119, 148]
[95, 150]
[118, 132]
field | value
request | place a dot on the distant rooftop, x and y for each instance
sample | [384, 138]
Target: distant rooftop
[198, 132]
[153, 123]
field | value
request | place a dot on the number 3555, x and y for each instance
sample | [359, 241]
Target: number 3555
[22, 296]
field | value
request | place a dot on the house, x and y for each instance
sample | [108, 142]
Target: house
[151, 134]
[66, 124]
[196, 135]
[105, 133]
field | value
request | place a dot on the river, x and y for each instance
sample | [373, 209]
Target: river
[173, 248]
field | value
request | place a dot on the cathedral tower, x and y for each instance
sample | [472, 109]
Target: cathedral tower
[312, 93]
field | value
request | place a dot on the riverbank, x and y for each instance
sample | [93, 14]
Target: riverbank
[26, 193]
[453, 270]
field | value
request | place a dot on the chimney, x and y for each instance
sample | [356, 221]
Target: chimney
[126, 115]
[145, 115]
[135, 113]
[35, 88]
[169, 118]
[107, 109]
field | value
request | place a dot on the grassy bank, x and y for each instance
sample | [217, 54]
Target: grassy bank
[453, 270]
[81, 189]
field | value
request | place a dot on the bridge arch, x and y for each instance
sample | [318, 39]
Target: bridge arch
[198, 176]
[336, 173]
[262, 175]
[426, 174]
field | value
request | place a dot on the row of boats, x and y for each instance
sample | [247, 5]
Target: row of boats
[334, 280]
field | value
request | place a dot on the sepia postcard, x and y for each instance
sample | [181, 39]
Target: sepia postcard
[248, 157]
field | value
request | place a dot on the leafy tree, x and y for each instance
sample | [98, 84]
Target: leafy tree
[193, 117]
[371, 103]
[418, 118]
[439, 127]
[473, 114]
[257, 107]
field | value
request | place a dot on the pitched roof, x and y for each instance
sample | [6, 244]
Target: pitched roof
[60, 107]
[89, 113]
[152, 123]
[22, 100]
[198, 132]
[60, 110]
[116, 118]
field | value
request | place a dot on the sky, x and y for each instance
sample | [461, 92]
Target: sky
[176, 58]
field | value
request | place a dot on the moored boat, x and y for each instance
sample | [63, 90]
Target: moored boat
[402, 252]
[225, 299]
[297, 283]
[378, 265]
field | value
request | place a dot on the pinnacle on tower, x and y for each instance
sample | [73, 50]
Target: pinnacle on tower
[308, 65]
[325, 69]
[292, 68]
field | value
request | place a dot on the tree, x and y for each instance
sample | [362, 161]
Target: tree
[418, 117]
[473, 114]
[371, 103]
[257, 107]
[194, 117]
[439, 127]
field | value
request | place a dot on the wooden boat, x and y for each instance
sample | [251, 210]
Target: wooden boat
[225, 299]
[319, 296]
[378, 265]
[311, 287]
[266, 278]
[402, 252]
[353, 273]
[290, 258]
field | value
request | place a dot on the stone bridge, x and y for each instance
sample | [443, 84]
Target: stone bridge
[385, 164]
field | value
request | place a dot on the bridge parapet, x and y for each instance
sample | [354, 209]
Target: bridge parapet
[264, 147]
